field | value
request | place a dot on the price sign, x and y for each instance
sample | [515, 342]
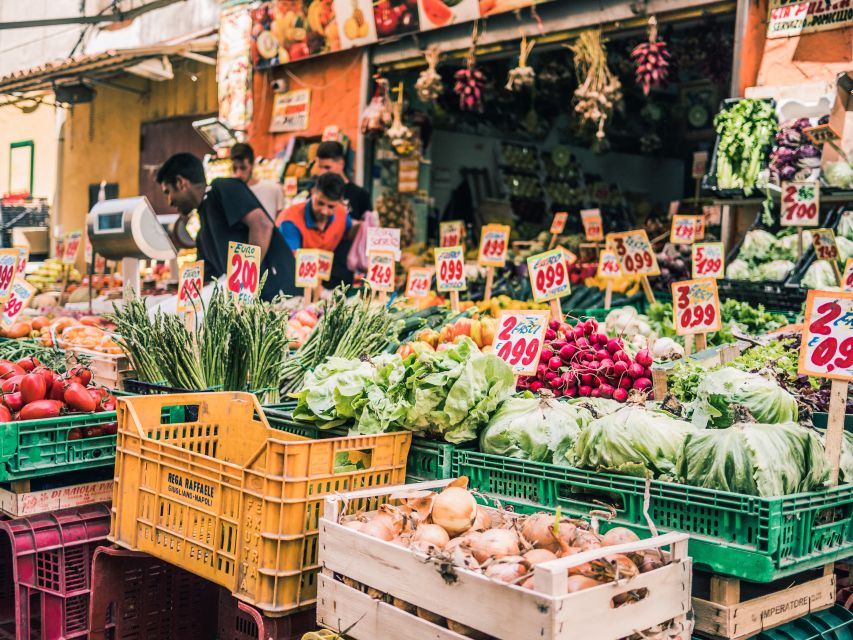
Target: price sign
[826, 350]
[571, 258]
[20, 298]
[331, 132]
[324, 264]
[847, 281]
[23, 258]
[494, 240]
[708, 260]
[700, 163]
[8, 264]
[673, 207]
[518, 339]
[824, 244]
[58, 245]
[592, 227]
[190, 284]
[696, 306]
[608, 265]
[380, 270]
[418, 282]
[307, 268]
[450, 233]
[635, 253]
[699, 234]
[800, 204]
[384, 239]
[559, 222]
[683, 229]
[549, 275]
[450, 269]
[712, 214]
[822, 134]
[291, 187]
[244, 267]
[71, 244]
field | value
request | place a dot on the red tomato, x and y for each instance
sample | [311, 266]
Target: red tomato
[93, 432]
[110, 429]
[11, 384]
[33, 388]
[57, 389]
[109, 403]
[77, 398]
[75, 434]
[5, 414]
[84, 374]
[9, 369]
[13, 401]
[95, 394]
[28, 364]
[41, 409]
[48, 375]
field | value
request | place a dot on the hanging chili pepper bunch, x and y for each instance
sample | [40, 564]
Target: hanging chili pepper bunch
[429, 85]
[651, 59]
[377, 116]
[599, 91]
[470, 81]
[523, 75]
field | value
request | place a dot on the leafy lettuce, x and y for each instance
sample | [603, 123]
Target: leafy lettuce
[720, 390]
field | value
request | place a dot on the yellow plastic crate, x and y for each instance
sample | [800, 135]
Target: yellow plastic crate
[203, 482]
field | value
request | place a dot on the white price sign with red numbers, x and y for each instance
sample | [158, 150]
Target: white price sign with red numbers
[709, 260]
[450, 233]
[190, 284]
[800, 204]
[23, 258]
[8, 268]
[592, 227]
[384, 239]
[494, 240]
[519, 337]
[450, 269]
[22, 294]
[380, 270]
[683, 229]
[847, 280]
[291, 187]
[826, 350]
[823, 241]
[549, 275]
[244, 271]
[418, 282]
[307, 268]
[695, 306]
[636, 256]
[70, 246]
[571, 258]
[325, 259]
[559, 222]
[608, 265]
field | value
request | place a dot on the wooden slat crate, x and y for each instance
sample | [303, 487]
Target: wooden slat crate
[107, 369]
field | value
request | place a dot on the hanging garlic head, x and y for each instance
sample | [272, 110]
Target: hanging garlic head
[429, 85]
[523, 75]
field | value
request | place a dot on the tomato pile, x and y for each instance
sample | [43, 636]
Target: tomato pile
[581, 361]
[31, 391]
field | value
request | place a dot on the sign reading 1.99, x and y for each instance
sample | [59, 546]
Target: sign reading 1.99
[635, 253]
[450, 269]
[695, 306]
[519, 337]
[243, 277]
[549, 276]
[827, 345]
[22, 293]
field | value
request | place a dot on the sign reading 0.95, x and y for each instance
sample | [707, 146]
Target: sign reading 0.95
[635, 253]
[695, 306]
[824, 244]
[450, 269]
[549, 275]
[22, 293]
[190, 283]
[519, 337]
[494, 240]
[380, 270]
[418, 282]
[826, 350]
[708, 260]
[8, 267]
[592, 227]
[307, 268]
[800, 204]
[450, 233]
[244, 266]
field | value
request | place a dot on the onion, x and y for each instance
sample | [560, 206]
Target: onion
[355, 525]
[618, 535]
[429, 616]
[624, 566]
[651, 560]
[586, 540]
[482, 522]
[507, 571]
[468, 632]
[431, 534]
[494, 543]
[455, 510]
[378, 528]
[579, 583]
[538, 556]
[538, 530]
[405, 606]
[392, 516]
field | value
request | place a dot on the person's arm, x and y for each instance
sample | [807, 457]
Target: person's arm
[352, 228]
[260, 229]
[291, 234]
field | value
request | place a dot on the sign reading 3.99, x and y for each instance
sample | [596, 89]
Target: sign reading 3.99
[826, 350]
[519, 337]
[695, 306]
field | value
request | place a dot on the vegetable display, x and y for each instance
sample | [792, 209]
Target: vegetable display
[765, 256]
[722, 390]
[745, 131]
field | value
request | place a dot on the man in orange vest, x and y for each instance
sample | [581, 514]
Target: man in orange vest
[322, 221]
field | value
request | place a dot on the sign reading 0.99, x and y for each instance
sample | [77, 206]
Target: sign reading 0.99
[695, 306]
[307, 268]
[635, 253]
[826, 350]
[243, 277]
[450, 269]
[519, 337]
[549, 275]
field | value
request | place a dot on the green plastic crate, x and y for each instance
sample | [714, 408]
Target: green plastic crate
[757, 539]
[35, 448]
[820, 419]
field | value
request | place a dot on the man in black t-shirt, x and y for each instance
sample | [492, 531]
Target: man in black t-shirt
[228, 211]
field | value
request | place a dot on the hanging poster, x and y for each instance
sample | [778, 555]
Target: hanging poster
[233, 69]
[288, 30]
[290, 111]
[440, 13]
[355, 23]
[792, 18]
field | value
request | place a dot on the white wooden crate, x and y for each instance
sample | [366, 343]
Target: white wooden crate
[109, 370]
[499, 610]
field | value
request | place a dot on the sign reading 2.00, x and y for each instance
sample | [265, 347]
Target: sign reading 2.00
[244, 266]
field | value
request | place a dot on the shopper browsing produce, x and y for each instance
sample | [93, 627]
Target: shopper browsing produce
[330, 159]
[269, 193]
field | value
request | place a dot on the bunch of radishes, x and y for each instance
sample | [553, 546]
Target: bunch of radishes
[581, 361]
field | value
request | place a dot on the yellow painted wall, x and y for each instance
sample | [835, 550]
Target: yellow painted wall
[40, 127]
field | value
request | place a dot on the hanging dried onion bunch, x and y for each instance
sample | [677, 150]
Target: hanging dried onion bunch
[599, 91]
[651, 59]
[523, 75]
[399, 134]
[429, 85]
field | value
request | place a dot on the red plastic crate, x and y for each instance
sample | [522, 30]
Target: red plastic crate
[45, 571]
[136, 596]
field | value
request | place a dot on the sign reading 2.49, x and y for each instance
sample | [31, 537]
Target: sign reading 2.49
[695, 306]
[450, 269]
[549, 275]
[519, 337]
[826, 350]
[635, 253]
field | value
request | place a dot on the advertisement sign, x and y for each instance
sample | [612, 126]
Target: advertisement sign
[290, 111]
[793, 18]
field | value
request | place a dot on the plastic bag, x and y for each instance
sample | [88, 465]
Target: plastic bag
[357, 256]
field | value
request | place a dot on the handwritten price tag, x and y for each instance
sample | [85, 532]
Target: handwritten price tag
[23, 258]
[380, 270]
[608, 265]
[826, 350]
[494, 240]
[244, 267]
[824, 244]
[699, 233]
[307, 268]
[683, 229]
[325, 259]
[20, 298]
[384, 239]
[571, 258]
[58, 246]
[8, 265]
[847, 280]
[70, 247]
[559, 222]
[592, 227]
[696, 306]
[712, 214]
[700, 163]
[519, 338]
[800, 204]
[450, 269]
[450, 233]
[708, 260]
[549, 275]
[418, 282]
[635, 252]
[291, 187]
[190, 284]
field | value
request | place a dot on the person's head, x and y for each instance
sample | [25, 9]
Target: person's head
[326, 195]
[330, 158]
[242, 161]
[183, 182]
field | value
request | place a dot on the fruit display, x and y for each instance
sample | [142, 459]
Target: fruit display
[89, 338]
[300, 325]
[48, 332]
[396, 211]
[481, 331]
[356, 24]
[50, 275]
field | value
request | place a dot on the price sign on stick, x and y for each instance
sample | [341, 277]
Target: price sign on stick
[558, 224]
[450, 233]
[824, 244]
[244, 268]
[800, 204]
[307, 268]
[571, 258]
[699, 234]
[683, 229]
[708, 260]
[592, 227]
[635, 252]
[608, 265]
[494, 240]
[418, 282]
[291, 187]
[673, 207]
[20, 298]
[190, 283]
[518, 339]
[380, 270]
[8, 265]
[549, 275]
[847, 281]
[700, 162]
[450, 269]
[23, 258]
[70, 246]
[696, 306]
[325, 259]
[384, 239]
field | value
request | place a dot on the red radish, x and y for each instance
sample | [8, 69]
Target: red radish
[558, 344]
[582, 343]
[547, 354]
[594, 365]
[550, 375]
[571, 392]
[644, 357]
[601, 354]
[542, 369]
[596, 393]
[33, 388]
[578, 333]
[568, 352]
[620, 395]
[613, 345]
[569, 379]
[557, 393]
[619, 368]
[590, 326]
[587, 378]
[77, 398]
[622, 356]
[584, 390]
[606, 390]
[550, 334]
[626, 382]
[554, 325]
[586, 356]
[41, 409]
[535, 386]
[13, 401]
[555, 363]
[642, 384]
[607, 364]
[635, 370]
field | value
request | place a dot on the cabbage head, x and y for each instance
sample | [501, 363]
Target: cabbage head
[820, 275]
[845, 225]
[631, 441]
[845, 249]
[720, 390]
[756, 245]
[738, 270]
[540, 429]
[597, 406]
[755, 459]
[775, 271]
